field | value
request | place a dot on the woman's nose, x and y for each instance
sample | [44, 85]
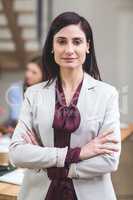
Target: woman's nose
[69, 49]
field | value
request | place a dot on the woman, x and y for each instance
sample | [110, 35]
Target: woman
[34, 73]
[68, 133]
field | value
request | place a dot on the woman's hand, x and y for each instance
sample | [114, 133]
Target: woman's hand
[30, 138]
[102, 144]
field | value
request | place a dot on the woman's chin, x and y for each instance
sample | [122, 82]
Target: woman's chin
[70, 66]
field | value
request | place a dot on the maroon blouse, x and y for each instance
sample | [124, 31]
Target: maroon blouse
[66, 120]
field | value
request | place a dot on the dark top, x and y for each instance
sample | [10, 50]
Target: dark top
[66, 120]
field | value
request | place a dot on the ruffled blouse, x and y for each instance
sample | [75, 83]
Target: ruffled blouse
[66, 121]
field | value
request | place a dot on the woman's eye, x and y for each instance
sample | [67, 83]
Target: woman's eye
[77, 42]
[61, 42]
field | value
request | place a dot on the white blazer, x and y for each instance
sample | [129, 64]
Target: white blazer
[98, 106]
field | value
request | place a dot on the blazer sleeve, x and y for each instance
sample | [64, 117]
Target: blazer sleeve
[102, 164]
[27, 155]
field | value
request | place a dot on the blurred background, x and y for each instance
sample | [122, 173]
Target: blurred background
[23, 28]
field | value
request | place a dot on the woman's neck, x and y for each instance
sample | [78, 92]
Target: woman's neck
[71, 78]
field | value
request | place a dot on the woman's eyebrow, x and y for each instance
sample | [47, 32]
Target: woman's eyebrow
[60, 37]
[74, 38]
[78, 38]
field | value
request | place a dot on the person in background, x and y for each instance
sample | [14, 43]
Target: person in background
[34, 73]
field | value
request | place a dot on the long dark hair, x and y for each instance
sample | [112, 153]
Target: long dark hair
[65, 19]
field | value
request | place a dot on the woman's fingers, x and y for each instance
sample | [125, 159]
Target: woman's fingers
[108, 140]
[30, 138]
[109, 147]
[104, 143]
[26, 139]
[106, 151]
[107, 137]
[106, 133]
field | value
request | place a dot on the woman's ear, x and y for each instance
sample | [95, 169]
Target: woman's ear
[88, 47]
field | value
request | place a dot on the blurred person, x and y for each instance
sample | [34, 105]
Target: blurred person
[33, 74]
[68, 134]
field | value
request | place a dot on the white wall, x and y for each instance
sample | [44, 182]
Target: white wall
[125, 61]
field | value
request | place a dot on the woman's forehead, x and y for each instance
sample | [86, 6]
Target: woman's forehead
[73, 31]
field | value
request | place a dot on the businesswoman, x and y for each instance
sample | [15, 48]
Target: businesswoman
[68, 134]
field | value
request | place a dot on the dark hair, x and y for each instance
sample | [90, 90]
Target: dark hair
[65, 19]
[37, 59]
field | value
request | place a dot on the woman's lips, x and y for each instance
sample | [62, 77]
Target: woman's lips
[69, 58]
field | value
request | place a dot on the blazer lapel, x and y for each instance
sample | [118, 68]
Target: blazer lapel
[83, 104]
[89, 84]
[51, 100]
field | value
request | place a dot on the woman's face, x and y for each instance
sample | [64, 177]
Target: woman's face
[70, 47]
[33, 74]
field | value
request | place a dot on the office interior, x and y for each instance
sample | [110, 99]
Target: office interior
[23, 29]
